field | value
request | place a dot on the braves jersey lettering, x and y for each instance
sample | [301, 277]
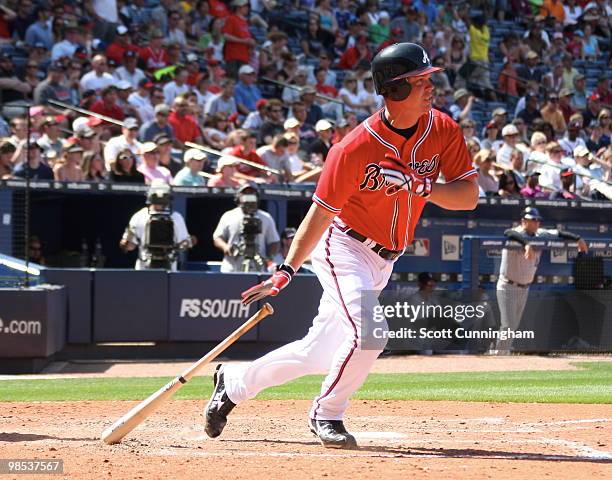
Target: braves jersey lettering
[352, 186]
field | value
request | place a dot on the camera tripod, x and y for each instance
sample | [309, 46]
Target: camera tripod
[254, 264]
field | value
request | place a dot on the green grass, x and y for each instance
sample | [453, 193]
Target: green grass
[592, 383]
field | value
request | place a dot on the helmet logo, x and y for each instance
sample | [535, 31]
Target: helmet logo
[425, 57]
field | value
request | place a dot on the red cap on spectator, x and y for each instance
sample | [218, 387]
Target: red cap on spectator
[233, 117]
[94, 122]
[594, 97]
[60, 118]
[491, 124]
[262, 102]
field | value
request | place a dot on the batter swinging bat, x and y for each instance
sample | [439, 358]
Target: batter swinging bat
[136, 415]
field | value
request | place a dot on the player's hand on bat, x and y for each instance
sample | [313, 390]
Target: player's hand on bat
[397, 173]
[270, 287]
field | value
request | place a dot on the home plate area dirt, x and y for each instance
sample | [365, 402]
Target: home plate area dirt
[270, 439]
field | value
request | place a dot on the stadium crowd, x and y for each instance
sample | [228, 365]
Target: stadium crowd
[278, 82]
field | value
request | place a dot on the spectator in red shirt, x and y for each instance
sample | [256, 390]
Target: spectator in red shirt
[603, 89]
[185, 127]
[351, 57]
[154, 55]
[117, 49]
[321, 86]
[238, 38]
[107, 105]
[247, 151]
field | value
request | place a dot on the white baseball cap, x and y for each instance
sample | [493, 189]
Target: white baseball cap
[323, 125]
[193, 154]
[246, 69]
[225, 162]
[509, 129]
[291, 123]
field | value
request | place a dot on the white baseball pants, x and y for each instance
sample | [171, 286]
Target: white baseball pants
[345, 267]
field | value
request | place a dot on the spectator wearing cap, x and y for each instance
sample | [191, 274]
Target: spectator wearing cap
[569, 72]
[380, 31]
[35, 168]
[175, 29]
[40, 30]
[572, 138]
[584, 168]
[107, 105]
[579, 99]
[549, 178]
[530, 70]
[166, 159]
[246, 93]
[290, 95]
[98, 78]
[510, 135]
[238, 38]
[275, 156]
[68, 46]
[177, 86]
[193, 70]
[531, 111]
[305, 130]
[597, 139]
[127, 140]
[226, 174]
[69, 168]
[124, 90]
[150, 167]
[50, 139]
[565, 99]
[223, 102]
[87, 139]
[490, 140]
[567, 178]
[307, 97]
[129, 71]
[593, 108]
[184, 126]
[255, 119]
[273, 124]
[52, 87]
[461, 109]
[532, 188]
[321, 145]
[574, 46]
[140, 100]
[189, 175]
[158, 125]
[551, 113]
[500, 117]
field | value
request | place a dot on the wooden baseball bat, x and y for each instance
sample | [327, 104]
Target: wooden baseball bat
[136, 415]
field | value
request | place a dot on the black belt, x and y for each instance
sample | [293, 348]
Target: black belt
[521, 285]
[378, 248]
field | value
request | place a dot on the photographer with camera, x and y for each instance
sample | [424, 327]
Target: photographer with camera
[159, 232]
[246, 235]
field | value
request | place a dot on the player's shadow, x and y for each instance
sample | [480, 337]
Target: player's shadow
[15, 437]
[441, 452]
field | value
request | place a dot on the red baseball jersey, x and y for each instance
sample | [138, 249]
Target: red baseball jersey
[353, 187]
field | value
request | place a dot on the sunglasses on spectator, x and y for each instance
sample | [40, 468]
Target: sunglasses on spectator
[126, 157]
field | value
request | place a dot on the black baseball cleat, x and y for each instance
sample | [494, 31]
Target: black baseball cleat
[332, 434]
[219, 406]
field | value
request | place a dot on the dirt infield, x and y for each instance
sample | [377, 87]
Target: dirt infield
[269, 439]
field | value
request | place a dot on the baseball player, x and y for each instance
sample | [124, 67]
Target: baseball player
[367, 203]
[518, 268]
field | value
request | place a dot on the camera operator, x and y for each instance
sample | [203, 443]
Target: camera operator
[159, 232]
[246, 235]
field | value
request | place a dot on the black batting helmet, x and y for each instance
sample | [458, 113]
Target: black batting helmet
[399, 61]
